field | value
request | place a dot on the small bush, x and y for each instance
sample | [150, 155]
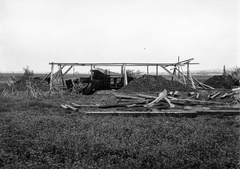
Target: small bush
[27, 72]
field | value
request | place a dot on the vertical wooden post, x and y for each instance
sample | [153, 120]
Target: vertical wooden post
[61, 76]
[59, 73]
[183, 76]
[147, 70]
[125, 74]
[174, 71]
[157, 70]
[51, 76]
[224, 71]
[91, 72]
[73, 71]
[188, 69]
[193, 85]
[178, 67]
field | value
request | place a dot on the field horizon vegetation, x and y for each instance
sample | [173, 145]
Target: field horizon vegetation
[36, 133]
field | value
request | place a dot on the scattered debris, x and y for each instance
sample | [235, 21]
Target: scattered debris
[163, 104]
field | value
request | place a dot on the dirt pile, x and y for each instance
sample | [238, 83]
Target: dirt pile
[148, 83]
[221, 81]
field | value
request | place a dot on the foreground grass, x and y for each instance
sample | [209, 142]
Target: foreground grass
[38, 134]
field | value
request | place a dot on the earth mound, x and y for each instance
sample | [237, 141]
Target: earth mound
[147, 83]
[221, 81]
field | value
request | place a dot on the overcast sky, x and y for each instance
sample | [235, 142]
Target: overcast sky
[36, 32]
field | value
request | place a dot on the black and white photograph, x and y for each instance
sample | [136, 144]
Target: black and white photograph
[119, 84]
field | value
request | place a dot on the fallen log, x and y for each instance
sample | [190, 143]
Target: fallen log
[154, 97]
[193, 102]
[146, 96]
[64, 107]
[71, 107]
[197, 95]
[133, 100]
[161, 95]
[126, 97]
[207, 86]
[219, 112]
[175, 94]
[82, 106]
[169, 102]
[164, 112]
[123, 104]
[215, 95]
[224, 95]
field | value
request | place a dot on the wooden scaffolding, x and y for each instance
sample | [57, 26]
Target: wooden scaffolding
[177, 73]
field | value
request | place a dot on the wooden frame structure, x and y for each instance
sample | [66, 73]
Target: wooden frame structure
[176, 68]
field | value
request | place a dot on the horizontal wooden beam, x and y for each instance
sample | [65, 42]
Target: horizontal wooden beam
[118, 64]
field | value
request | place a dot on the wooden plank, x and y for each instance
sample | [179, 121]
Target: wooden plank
[207, 86]
[64, 106]
[193, 85]
[121, 96]
[171, 74]
[67, 70]
[160, 97]
[71, 107]
[192, 101]
[82, 106]
[146, 96]
[45, 77]
[51, 76]
[219, 112]
[123, 104]
[215, 95]
[163, 112]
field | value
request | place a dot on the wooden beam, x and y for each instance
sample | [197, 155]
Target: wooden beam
[61, 75]
[58, 73]
[178, 67]
[188, 69]
[67, 70]
[193, 85]
[91, 72]
[125, 75]
[51, 78]
[183, 76]
[171, 74]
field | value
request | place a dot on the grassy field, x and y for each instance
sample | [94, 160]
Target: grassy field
[36, 133]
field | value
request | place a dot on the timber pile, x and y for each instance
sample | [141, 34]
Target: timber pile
[148, 83]
[162, 104]
[222, 81]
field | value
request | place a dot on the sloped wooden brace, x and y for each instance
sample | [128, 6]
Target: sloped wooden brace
[67, 70]
[51, 74]
[171, 74]
[58, 72]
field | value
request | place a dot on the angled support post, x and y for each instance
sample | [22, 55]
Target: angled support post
[51, 76]
[67, 70]
[91, 72]
[175, 77]
[125, 74]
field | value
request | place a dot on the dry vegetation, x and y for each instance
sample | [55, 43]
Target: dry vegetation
[36, 133]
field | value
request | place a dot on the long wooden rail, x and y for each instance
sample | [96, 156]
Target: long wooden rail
[164, 66]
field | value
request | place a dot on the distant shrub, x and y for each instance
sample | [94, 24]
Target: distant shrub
[27, 72]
